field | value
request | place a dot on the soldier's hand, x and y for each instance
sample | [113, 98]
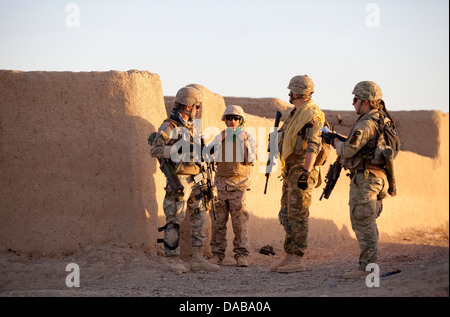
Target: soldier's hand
[328, 137]
[303, 180]
[242, 136]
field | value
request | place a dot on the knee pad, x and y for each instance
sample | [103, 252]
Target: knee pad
[171, 235]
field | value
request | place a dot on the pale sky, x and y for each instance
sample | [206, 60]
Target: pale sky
[244, 48]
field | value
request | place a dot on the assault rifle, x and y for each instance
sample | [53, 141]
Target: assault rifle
[169, 170]
[332, 176]
[210, 191]
[335, 169]
[329, 136]
[273, 140]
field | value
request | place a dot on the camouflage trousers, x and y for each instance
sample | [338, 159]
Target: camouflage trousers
[295, 203]
[194, 203]
[231, 203]
[366, 204]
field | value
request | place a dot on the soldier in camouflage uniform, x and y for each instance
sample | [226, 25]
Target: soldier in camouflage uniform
[235, 156]
[369, 183]
[299, 145]
[179, 127]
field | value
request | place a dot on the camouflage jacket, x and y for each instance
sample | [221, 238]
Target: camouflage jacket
[363, 134]
[169, 133]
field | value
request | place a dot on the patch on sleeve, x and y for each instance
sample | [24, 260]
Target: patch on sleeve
[313, 130]
[355, 136]
[165, 131]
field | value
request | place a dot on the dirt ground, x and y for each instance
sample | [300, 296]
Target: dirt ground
[120, 271]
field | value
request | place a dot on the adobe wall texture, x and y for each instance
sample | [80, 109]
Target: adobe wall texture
[74, 162]
[76, 170]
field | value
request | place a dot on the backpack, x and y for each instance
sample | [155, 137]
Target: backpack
[389, 135]
[389, 132]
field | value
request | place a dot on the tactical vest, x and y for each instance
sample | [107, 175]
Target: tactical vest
[233, 168]
[184, 168]
[367, 152]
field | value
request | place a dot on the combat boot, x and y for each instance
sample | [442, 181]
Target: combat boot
[216, 259]
[356, 274]
[241, 261]
[275, 266]
[174, 264]
[294, 263]
[199, 263]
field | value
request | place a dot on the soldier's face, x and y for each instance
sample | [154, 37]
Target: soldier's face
[292, 97]
[195, 109]
[233, 121]
[357, 105]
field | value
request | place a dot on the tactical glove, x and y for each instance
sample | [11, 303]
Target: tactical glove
[329, 137]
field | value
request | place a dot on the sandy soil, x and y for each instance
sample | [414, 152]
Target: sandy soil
[120, 271]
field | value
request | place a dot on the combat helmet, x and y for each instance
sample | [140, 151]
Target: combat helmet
[301, 84]
[367, 90]
[234, 110]
[188, 96]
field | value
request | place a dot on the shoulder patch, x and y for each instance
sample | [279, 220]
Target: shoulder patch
[355, 136]
[165, 130]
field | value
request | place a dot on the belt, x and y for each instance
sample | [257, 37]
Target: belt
[376, 173]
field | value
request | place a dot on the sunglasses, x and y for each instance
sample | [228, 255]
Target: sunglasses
[233, 117]
[197, 107]
[355, 100]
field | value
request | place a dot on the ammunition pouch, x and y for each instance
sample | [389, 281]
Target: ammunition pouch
[199, 210]
[367, 153]
[195, 178]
